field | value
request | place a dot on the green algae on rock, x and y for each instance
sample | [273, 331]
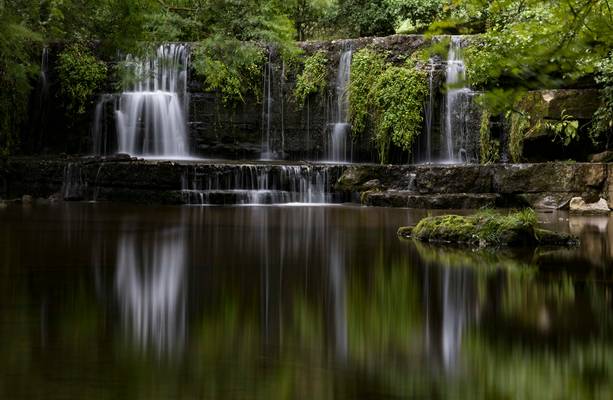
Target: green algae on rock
[486, 228]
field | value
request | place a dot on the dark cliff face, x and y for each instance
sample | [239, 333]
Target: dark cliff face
[235, 131]
[292, 132]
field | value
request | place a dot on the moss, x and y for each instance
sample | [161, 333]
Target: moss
[486, 228]
[389, 98]
[489, 147]
[314, 77]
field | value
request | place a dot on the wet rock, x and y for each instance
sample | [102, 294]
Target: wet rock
[371, 184]
[486, 229]
[603, 157]
[580, 206]
[591, 195]
[405, 231]
[3, 204]
[551, 104]
[609, 189]
[407, 199]
[26, 199]
[55, 197]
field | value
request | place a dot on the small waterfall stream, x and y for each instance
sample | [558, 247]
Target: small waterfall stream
[260, 184]
[429, 111]
[340, 133]
[267, 103]
[455, 132]
[150, 114]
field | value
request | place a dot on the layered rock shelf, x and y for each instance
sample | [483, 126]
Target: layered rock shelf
[541, 186]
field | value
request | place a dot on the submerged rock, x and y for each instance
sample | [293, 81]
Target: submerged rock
[579, 206]
[486, 228]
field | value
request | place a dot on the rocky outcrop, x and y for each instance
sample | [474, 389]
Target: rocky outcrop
[579, 206]
[541, 186]
[486, 229]
[544, 107]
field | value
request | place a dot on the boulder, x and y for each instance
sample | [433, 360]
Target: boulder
[26, 199]
[551, 104]
[485, 229]
[603, 157]
[579, 206]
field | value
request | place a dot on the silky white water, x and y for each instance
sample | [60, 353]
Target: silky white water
[150, 114]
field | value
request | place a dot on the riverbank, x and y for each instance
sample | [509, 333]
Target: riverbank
[121, 178]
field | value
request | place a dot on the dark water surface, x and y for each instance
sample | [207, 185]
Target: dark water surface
[102, 301]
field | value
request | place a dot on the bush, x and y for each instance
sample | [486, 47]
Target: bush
[229, 66]
[81, 74]
[389, 97]
[314, 77]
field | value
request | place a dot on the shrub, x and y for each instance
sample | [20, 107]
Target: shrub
[80, 74]
[314, 77]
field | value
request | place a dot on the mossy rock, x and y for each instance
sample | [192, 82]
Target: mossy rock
[486, 228]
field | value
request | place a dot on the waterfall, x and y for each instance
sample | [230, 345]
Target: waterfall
[150, 114]
[44, 69]
[39, 106]
[267, 103]
[74, 186]
[260, 184]
[429, 111]
[341, 129]
[456, 103]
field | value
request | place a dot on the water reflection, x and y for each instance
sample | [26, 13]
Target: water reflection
[293, 302]
[151, 288]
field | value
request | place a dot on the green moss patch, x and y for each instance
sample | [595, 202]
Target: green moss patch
[486, 228]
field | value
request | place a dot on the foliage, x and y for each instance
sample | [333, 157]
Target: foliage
[520, 123]
[399, 94]
[309, 16]
[358, 18]
[415, 15]
[532, 44]
[566, 130]
[230, 52]
[489, 152]
[488, 228]
[366, 66]
[602, 126]
[17, 69]
[314, 77]
[80, 75]
[230, 66]
[387, 96]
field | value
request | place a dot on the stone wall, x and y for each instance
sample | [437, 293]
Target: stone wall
[295, 133]
[541, 186]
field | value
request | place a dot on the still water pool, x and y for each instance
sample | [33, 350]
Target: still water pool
[108, 301]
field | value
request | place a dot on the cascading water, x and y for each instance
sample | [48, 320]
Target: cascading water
[260, 184]
[341, 129]
[429, 111]
[455, 132]
[40, 101]
[150, 114]
[267, 104]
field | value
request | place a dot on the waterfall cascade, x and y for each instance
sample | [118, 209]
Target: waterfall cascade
[429, 111]
[340, 129]
[150, 115]
[457, 104]
[261, 184]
